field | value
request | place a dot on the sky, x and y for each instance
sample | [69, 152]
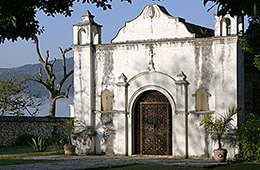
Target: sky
[58, 30]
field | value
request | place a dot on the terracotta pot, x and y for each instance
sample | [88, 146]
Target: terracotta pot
[70, 149]
[220, 155]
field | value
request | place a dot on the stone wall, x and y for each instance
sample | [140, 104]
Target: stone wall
[13, 127]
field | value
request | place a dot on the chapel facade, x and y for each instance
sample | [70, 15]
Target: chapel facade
[148, 90]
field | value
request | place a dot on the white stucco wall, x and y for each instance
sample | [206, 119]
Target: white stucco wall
[82, 83]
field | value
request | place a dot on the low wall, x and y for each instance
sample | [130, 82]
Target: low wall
[12, 127]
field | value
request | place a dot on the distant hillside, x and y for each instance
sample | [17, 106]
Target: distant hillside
[33, 70]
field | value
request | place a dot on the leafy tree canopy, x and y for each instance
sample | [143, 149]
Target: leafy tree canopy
[236, 7]
[16, 100]
[250, 41]
[18, 18]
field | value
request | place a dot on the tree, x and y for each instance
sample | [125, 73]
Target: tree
[16, 100]
[18, 18]
[251, 8]
[250, 40]
[53, 85]
[235, 7]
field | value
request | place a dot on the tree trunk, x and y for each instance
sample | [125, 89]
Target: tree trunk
[219, 144]
[52, 108]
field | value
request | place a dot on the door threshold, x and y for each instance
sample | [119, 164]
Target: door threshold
[152, 156]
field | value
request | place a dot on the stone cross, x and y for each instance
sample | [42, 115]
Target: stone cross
[151, 63]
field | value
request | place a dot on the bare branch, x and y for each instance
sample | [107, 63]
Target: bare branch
[54, 60]
[64, 79]
[53, 78]
[66, 95]
[61, 50]
[47, 57]
[67, 50]
[36, 41]
[63, 53]
[42, 83]
[40, 73]
[44, 63]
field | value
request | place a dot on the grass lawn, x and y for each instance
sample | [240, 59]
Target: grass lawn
[15, 150]
[21, 161]
[19, 152]
[31, 154]
[14, 155]
[152, 167]
[241, 166]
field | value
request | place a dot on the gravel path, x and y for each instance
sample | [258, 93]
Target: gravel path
[83, 162]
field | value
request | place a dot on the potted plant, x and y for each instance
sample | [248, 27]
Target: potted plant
[67, 126]
[218, 128]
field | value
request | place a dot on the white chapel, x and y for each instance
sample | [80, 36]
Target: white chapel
[147, 91]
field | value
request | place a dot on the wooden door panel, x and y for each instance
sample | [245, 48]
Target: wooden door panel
[152, 124]
[154, 128]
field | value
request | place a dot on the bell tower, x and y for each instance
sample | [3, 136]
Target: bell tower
[228, 25]
[86, 35]
[87, 31]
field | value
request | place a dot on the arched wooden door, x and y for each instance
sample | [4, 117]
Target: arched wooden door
[152, 124]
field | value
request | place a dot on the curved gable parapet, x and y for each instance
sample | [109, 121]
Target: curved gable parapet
[154, 23]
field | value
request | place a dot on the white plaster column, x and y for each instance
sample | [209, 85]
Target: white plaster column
[182, 92]
[122, 96]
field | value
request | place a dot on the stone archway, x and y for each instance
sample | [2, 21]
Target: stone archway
[152, 124]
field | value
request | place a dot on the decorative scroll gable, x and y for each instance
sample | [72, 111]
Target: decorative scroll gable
[155, 23]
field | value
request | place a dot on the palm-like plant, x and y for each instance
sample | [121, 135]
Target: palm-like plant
[39, 145]
[67, 126]
[218, 127]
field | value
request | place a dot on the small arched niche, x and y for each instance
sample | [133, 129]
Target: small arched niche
[225, 27]
[202, 100]
[240, 25]
[106, 100]
[81, 32]
[96, 36]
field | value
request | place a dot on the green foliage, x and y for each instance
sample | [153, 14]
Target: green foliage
[39, 145]
[67, 126]
[236, 7]
[203, 32]
[257, 61]
[250, 41]
[15, 99]
[218, 127]
[23, 139]
[250, 138]
[57, 143]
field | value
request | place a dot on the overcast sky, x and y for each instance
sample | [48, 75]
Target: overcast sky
[58, 30]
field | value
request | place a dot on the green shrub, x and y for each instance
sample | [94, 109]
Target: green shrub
[39, 145]
[219, 128]
[250, 138]
[24, 139]
[57, 143]
[67, 126]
